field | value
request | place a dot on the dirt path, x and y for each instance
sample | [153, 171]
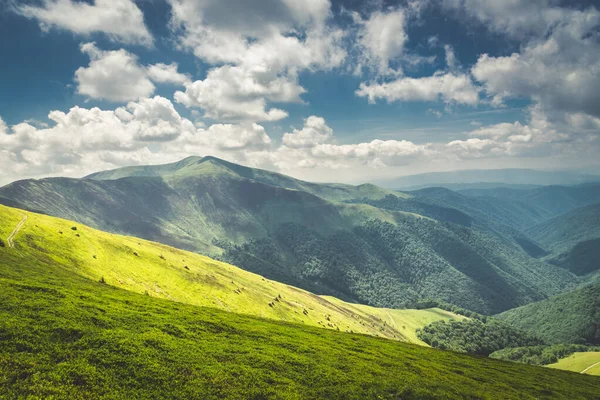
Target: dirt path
[591, 366]
[10, 241]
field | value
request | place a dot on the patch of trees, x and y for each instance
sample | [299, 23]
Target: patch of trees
[475, 336]
[541, 355]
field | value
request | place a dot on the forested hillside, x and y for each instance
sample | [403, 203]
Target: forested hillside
[572, 317]
[396, 265]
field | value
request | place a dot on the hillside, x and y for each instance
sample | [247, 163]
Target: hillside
[574, 238]
[66, 336]
[572, 317]
[165, 272]
[278, 227]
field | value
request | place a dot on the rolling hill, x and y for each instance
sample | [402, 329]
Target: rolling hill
[572, 317]
[67, 333]
[320, 237]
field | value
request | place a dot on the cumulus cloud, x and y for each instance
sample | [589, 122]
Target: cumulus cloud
[314, 146]
[235, 93]
[121, 20]
[167, 73]
[448, 87]
[559, 61]
[381, 39]
[516, 18]
[112, 75]
[315, 131]
[258, 48]
[542, 135]
[117, 75]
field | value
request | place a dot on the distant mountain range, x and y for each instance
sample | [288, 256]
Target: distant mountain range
[360, 243]
[512, 178]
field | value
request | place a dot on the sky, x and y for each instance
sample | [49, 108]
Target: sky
[323, 90]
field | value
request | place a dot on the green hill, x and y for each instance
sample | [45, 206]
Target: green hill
[67, 334]
[572, 317]
[304, 234]
[574, 238]
[165, 272]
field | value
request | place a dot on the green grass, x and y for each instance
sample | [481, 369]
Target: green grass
[578, 362]
[165, 272]
[64, 335]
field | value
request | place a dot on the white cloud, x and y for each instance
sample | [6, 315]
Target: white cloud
[258, 49]
[451, 60]
[557, 66]
[234, 93]
[543, 135]
[163, 73]
[121, 20]
[381, 39]
[112, 75]
[3, 127]
[448, 87]
[517, 18]
[315, 131]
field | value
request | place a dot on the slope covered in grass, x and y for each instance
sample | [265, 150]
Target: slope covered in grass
[572, 317]
[161, 271]
[65, 336]
[580, 362]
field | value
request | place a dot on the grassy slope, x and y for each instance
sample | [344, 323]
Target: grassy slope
[205, 282]
[68, 337]
[572, 317]
[578, 362]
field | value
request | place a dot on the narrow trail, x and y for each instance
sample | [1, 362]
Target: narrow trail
[10, 241]
[591, 366]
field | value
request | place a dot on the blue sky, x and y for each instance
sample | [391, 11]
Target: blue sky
[342, 90]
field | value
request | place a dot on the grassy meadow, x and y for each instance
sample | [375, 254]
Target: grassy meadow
[579, 362]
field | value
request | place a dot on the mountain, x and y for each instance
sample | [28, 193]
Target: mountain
[486, 177]
[572, 317]
[65, 332]
[320, 237]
